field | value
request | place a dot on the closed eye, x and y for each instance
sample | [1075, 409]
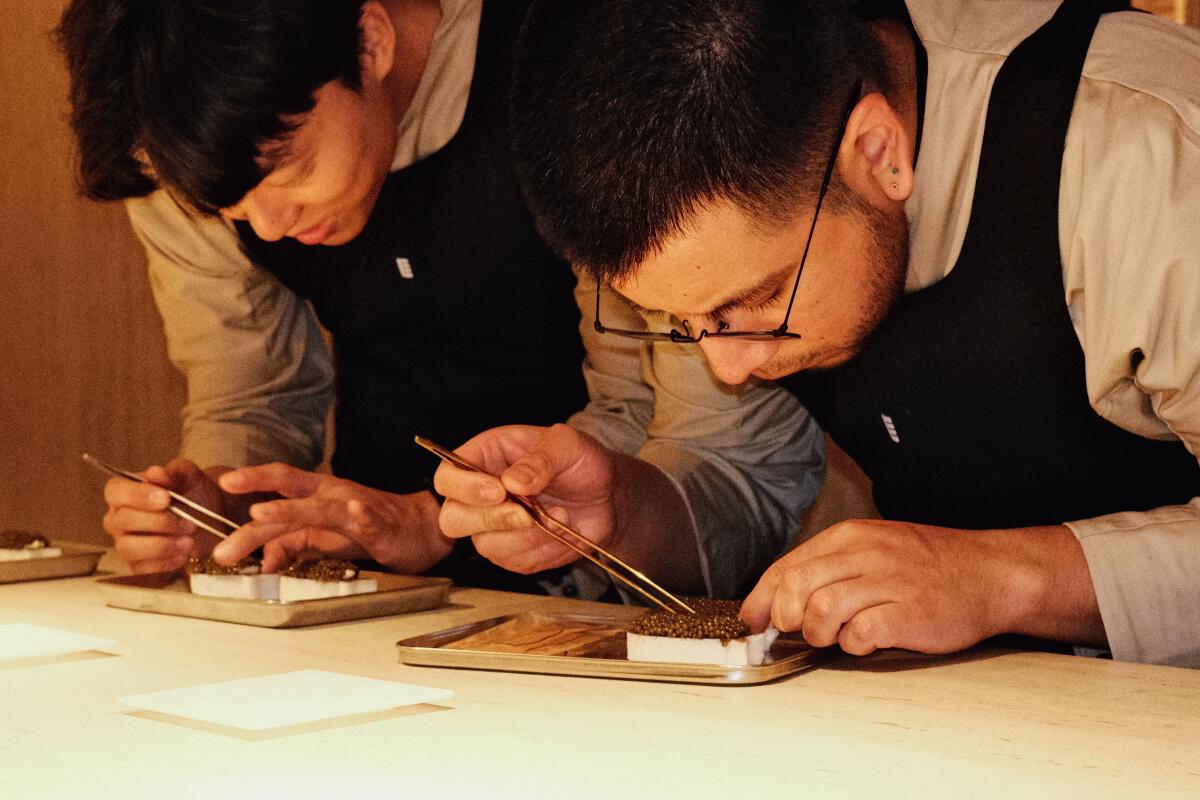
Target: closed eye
[767, 302]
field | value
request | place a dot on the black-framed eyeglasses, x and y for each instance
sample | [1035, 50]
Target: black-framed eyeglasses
[722, 332]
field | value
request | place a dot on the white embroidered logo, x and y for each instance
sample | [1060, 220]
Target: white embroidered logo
[891, 428]
[405, 268]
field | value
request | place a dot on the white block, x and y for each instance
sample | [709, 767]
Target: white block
[242, 587]
[744, 651]
[293, 589]
[29, 553]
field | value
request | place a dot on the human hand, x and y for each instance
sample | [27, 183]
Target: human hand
[337, 517]
[872, 584]
[569, 472]
[148, 536]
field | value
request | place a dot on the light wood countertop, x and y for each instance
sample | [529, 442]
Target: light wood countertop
[984, 724]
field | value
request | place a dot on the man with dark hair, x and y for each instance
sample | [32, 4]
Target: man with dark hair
[244, 135]
[963, 234]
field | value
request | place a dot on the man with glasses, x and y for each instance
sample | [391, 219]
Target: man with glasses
[358, 171]
[963, 234]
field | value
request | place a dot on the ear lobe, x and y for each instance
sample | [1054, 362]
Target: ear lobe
[880, 155]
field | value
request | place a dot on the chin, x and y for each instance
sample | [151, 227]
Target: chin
[346, 229]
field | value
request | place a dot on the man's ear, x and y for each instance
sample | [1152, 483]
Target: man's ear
[378, 39]
[875, 159]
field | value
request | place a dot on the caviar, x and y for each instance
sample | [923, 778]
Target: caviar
[714, 619]
[20, 540]
[322, 569]
[210, 566]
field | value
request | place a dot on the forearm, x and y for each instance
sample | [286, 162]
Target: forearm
[653, 527]
[1046, 587]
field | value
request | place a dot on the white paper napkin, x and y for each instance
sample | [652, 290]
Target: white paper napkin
[21, 640]
[290, 698]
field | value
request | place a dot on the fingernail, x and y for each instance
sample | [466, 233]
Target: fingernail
[492, 493]
[515, 520]
[160, 498]
[221, 551]
[230, 480]
[183, 543]
[521, 474]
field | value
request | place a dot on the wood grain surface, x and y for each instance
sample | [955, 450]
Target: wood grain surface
[82, 355]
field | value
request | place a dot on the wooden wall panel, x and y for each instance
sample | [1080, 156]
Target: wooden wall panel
[82, 357]
[1185, 11]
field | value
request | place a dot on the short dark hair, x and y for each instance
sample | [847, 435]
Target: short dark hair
[191, 93]
[628, 115]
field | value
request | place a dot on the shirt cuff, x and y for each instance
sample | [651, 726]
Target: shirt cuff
[1144, 568]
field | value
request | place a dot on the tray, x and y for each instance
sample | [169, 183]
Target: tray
[586, 645]
[76, 560]
[167, 593]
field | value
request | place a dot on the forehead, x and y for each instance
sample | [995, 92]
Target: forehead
[721, 251]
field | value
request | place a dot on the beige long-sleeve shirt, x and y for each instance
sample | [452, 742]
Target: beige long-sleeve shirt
[260, 378]
[1129, 227]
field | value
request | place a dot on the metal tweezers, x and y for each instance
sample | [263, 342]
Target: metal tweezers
[180, 506]
[615, 567]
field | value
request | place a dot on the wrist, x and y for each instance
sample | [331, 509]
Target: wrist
[418, 543]
[1039, 578]
[1014, 589]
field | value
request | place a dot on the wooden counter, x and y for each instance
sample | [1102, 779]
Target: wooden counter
[983, 724]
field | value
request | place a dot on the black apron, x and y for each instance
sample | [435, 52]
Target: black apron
[449, 316]
[967, 407]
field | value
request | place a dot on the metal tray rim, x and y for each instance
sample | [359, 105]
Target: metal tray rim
[125, 592]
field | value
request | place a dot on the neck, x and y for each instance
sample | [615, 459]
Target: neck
[415, 22]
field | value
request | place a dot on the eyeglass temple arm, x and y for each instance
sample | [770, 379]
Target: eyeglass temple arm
[837, 144]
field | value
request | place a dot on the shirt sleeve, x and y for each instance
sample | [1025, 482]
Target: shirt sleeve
[747, 461]
[259, 375]
[1131, 254]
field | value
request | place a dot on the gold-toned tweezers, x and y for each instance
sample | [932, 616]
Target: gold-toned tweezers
[180, 506]
[615, 567]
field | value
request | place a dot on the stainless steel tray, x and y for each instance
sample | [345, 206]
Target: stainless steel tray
[586, 645]
[76, 560]
[167, 593]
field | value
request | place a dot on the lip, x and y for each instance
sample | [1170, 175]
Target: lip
[314, 235]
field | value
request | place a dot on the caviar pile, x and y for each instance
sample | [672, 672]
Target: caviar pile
[714, 619]
[19, 540]
[322, 569]
[210, 566]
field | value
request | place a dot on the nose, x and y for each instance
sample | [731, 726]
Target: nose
[733, 361]
[270, 218]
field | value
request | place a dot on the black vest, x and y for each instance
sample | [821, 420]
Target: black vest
[968, 407]
[484, 332]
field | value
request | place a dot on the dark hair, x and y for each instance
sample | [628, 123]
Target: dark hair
[628, 115]
[198, 95]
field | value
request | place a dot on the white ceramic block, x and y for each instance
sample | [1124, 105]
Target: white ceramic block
[743, 651]
[293, 589]
[29, 553]
[242, 587]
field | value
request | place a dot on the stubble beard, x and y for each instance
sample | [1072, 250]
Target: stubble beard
[887, 258]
